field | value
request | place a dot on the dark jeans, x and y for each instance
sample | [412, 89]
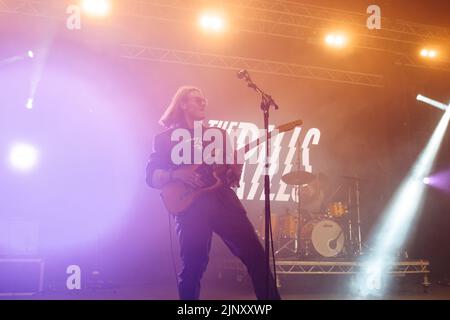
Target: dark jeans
[195, 227]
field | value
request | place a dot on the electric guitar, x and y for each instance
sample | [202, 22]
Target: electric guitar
[177, 196]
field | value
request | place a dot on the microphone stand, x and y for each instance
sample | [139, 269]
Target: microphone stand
[266, 103]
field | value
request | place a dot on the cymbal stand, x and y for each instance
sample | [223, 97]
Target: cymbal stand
[355, 208]
[300, 221]
[358, 216]
[286, 247]
[350, 218]
[292, 241]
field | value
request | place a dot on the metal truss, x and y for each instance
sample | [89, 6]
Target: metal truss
[276, 18]
[284, 17]
[305, 22]
[297, 267]
[56, 9]
[327, 267]
[405, 60]
[334, 267]
[305, 15]
[49, 9]
[255, 65]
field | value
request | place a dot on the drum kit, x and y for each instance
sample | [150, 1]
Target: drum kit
[322, 225]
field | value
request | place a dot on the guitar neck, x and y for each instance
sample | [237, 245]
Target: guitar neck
[252, 144]
[280, 129]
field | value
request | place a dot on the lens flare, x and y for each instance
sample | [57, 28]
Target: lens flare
[336, 40]
[428, 53]
[212, 22]
[23, 157]
[99, 8]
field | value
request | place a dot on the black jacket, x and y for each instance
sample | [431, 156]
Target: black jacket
[160, 158]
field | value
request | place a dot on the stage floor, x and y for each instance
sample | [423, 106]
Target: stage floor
[242, 291]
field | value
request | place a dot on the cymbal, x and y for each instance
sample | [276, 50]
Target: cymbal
[297, 178]
[354, 178]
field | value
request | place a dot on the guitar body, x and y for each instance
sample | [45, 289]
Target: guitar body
[178, 196]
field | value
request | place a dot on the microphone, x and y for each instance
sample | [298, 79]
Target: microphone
[243, 74]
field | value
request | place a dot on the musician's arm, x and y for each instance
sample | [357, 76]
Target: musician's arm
[158, 171]
[160, 178]
[234, 170]
[161, 171]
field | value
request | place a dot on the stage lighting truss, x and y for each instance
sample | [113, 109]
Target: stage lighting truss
[293, 14]
[338, 267]
[414, 62]
[305, 22]
[277, 18]
[254, 65]
[52, 9]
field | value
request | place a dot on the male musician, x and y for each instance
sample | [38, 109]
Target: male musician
[218, 211]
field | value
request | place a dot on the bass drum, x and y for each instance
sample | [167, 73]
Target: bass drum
[322, 237]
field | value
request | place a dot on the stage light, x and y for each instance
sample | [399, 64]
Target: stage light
[431, 102]
[99, 8]
[329, 39]
[336, 40]
[212, 22]
[424, 53]
[428, 53]
[398, 217]
[30, 104]
[30, 54]
[427, 180]
[23, 157]
[340, 40]
[440, 180]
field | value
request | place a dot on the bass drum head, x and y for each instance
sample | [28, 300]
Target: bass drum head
[325, 237]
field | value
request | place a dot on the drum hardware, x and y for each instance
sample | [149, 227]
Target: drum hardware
[350, 227]
[337, 209]
[323, 237]
[297, 178]
[311, 213]
[306, 191]
[318, 229]
[358, 216]
[284, 230]
[354, 203]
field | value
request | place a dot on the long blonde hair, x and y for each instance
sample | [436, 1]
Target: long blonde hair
[173, 116]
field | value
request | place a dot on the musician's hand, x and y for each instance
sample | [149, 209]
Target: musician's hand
[189, 177]
[234, 175]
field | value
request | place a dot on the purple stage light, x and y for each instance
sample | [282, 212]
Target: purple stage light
[23, 157]
[85, 189]
[30, 104]
[440, 180]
